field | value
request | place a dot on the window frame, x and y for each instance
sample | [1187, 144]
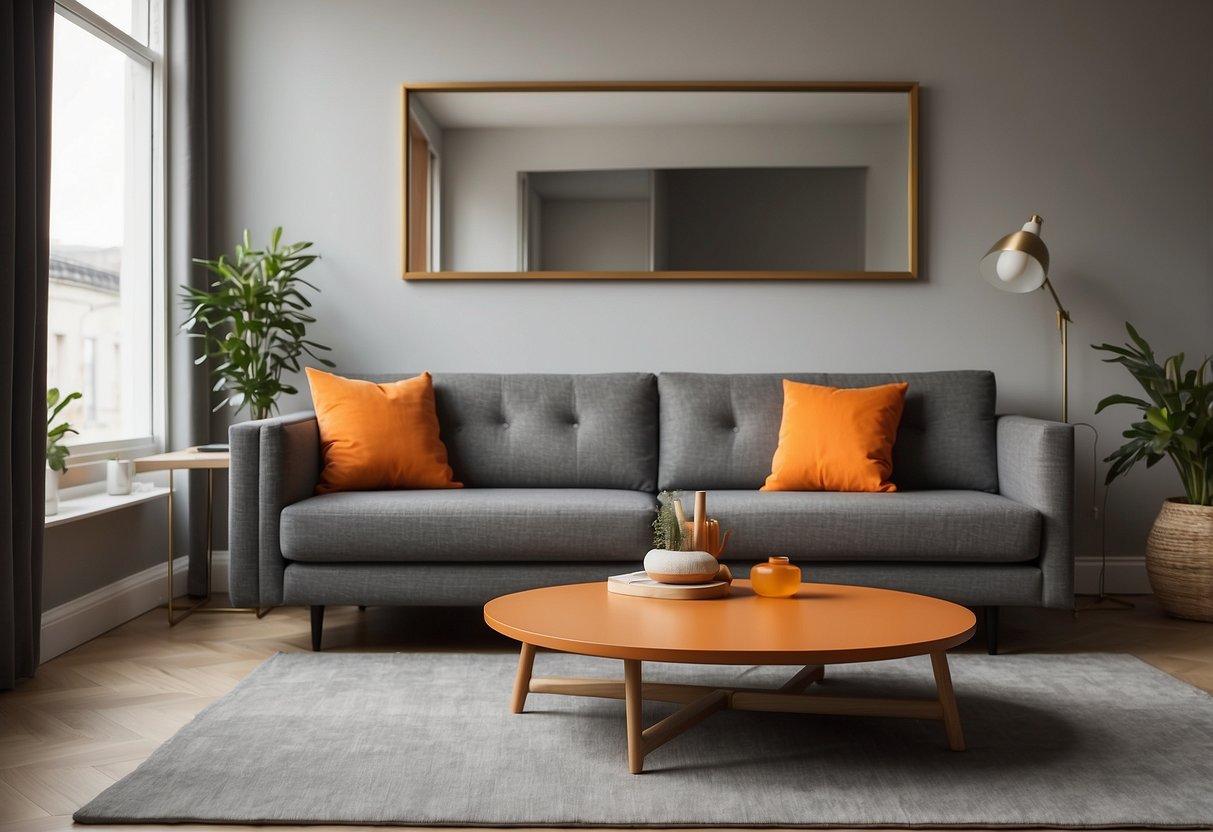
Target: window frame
[86, 464]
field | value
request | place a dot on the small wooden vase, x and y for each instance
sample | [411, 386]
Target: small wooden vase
[702, 531]
[777, 578]
[670, 567]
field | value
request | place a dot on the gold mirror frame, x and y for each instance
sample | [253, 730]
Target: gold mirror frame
[408, 195]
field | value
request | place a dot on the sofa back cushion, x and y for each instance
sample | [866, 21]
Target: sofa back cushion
[720, 431]
[550, 431]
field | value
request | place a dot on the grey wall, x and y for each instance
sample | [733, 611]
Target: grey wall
[766, 218]
[594, 235]
[1096, 114]
[88, 554]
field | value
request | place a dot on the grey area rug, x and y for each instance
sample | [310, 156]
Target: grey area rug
[1078, 741]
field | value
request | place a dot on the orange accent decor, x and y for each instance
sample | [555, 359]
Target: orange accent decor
[820, 624]
[378, 435]
[777, 578]
[836, 439]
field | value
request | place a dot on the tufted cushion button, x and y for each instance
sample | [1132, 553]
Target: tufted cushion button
[736, 429]
[505, 424]
[576, 425]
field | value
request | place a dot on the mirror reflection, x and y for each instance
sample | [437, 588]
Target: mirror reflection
[660, 182]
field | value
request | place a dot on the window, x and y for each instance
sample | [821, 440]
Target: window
[101, 299]
[129, 16]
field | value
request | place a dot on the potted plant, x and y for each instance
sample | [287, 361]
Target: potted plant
[685, 551]
[56, 452]
[253, 323]
[1177, 424]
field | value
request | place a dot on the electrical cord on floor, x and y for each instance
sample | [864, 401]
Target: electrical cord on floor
[1101, 601]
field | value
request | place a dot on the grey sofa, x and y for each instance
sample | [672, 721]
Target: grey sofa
[561, 472]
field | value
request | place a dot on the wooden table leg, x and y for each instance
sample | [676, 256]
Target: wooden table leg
[522, 681]
[808, 675]
[947, 700]
[632, 690]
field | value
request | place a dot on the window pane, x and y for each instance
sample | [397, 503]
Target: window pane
[99, 319]
[128, 15]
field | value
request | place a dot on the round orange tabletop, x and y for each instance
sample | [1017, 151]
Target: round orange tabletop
[820, 624]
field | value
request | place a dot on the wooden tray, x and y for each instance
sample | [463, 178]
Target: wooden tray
[638, 583]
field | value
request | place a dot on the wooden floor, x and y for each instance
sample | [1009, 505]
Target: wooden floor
[93, 714]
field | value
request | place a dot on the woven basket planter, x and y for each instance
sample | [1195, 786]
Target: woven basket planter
[1179, 559]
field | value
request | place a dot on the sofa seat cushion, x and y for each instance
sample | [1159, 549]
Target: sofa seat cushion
[471, 524]
[936, 526]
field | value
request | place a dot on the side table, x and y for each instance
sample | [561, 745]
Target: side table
[191, 459]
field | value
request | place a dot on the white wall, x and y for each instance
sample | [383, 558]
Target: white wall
[480, 190]
[1096, 114]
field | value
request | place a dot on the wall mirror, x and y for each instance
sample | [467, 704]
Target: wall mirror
[661, 180]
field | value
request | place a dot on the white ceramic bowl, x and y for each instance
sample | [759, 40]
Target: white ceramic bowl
[670, 567]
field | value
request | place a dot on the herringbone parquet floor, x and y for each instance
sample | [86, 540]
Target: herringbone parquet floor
[93, 714]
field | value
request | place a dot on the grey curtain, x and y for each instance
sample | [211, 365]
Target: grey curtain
[26, 40]
[190, 417]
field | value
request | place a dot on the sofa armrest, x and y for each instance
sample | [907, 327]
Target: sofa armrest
[1036, 468]
[275, 462]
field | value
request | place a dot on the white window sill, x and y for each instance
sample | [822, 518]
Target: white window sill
[83, 502]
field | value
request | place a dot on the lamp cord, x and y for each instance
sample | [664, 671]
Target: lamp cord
[1102, 598]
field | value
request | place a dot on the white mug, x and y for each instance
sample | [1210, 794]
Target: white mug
[118, 474]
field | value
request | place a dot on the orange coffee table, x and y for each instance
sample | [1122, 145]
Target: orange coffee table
[822, 624]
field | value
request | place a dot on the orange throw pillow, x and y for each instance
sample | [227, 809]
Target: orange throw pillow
[378, 436]
[836, 439]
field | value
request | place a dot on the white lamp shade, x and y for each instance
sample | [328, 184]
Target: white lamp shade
[1012, 271]
[1018, 262]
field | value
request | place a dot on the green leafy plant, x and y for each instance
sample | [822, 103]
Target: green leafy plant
[1177, 417]
[253, 323]
[667, 531]
[56, 452]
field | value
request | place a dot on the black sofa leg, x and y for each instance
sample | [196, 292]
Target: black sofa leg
[991, 621]
[317, 625]
[362, 608]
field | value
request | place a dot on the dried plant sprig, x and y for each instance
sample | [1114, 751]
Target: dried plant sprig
[667, 530]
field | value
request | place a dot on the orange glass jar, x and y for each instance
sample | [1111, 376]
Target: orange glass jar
[777, 578]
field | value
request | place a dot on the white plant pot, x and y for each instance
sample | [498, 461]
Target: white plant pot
[52, 492]
[118, 475]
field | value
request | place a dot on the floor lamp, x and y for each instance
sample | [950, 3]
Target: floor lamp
[1019, 263]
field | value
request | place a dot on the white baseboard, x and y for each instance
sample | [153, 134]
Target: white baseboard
[81, 619]
[1124, 576]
